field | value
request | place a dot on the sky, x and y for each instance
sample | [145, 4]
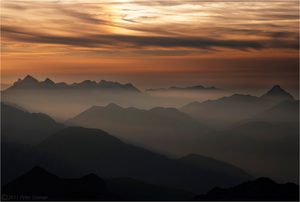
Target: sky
[225, 43]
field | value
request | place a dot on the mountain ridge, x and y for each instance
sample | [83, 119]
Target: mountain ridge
[234, 108]
[29, 82]
[160, 127]
[261, 189]
[188, 88]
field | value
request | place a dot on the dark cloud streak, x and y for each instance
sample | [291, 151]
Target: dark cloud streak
[142, 41]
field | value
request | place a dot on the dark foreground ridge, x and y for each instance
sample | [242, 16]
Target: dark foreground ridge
[40, 185]
[262, 189]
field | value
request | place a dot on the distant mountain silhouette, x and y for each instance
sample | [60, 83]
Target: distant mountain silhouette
[158, 128]
[63, 101]
[25, 127]
[228, 110]
[189, 88]
[277, 94]
[75, 151]
[38, 184]
[30, 82]
[262, 189]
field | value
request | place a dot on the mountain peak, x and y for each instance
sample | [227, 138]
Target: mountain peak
[276, 91]
[30, 79]
[48, 81]
[27, 82]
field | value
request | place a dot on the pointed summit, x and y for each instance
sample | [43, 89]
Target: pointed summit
[277, 90]
[48, 83]
[27, 82]
[29, 79]
[277, 93]
[47, 80]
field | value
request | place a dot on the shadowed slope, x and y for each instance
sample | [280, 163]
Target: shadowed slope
[38, 184]
[262, 189]
[75, 151]
[24, 127]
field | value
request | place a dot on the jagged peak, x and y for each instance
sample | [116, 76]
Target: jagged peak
[30, 82]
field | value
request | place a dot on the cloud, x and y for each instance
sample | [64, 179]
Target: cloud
[131, 41]
[142, 25]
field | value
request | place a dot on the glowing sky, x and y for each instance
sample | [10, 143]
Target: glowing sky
[153, 43]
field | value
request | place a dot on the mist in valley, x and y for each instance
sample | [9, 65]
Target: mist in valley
[219, 137]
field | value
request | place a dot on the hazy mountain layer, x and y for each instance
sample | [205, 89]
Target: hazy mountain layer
[265, 145]
[228, 110]
[63, 101]
[75, 151]
[23, 127]
[162, 129]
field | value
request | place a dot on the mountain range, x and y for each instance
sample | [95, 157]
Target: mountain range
[265, 145]
[159, 128]
[262, 189]
[75, 151]
[39, 184]
[189, 88]
[163, 148]
[231, 109]
[63, 101]
[30, 82]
